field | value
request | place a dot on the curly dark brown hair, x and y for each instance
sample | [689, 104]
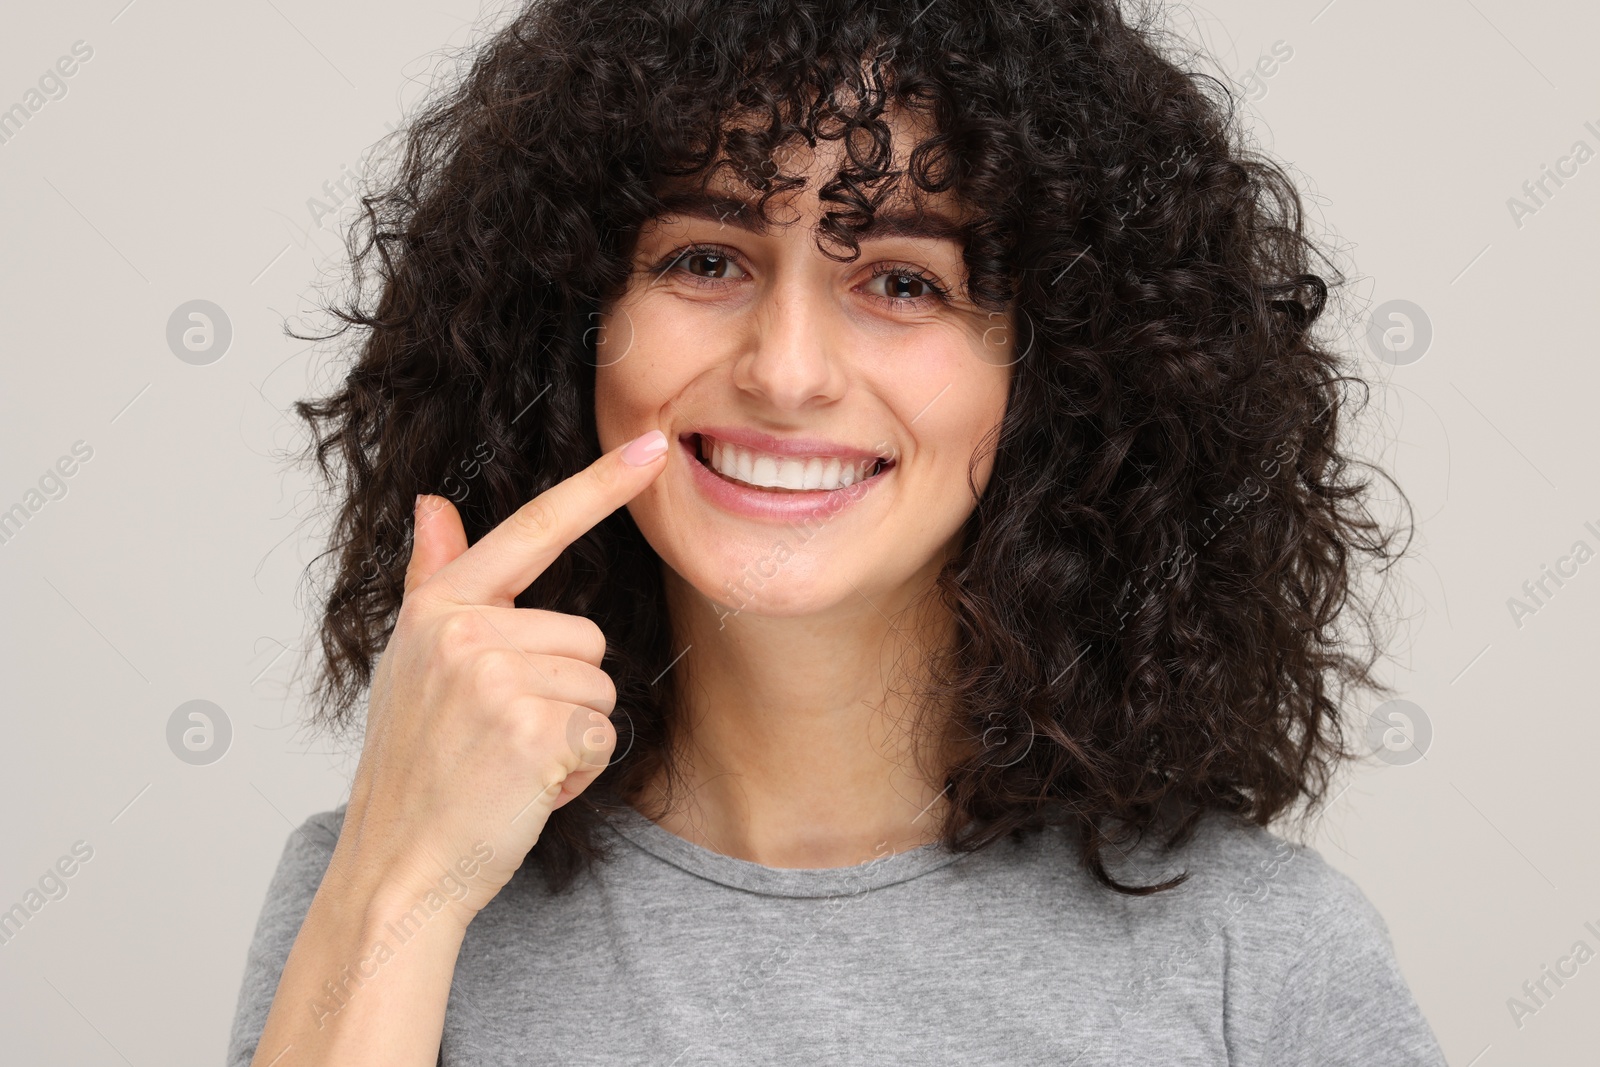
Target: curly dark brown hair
[1149, 592]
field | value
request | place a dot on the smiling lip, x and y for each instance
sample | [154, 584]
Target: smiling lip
[777, 504]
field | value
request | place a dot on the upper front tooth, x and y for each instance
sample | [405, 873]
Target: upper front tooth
[792, 474]
[784, 472]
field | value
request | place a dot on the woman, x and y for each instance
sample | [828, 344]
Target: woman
[950, 607]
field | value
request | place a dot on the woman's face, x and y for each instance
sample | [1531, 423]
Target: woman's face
[822, 415]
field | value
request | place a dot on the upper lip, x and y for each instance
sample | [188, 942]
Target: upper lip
[791, 446]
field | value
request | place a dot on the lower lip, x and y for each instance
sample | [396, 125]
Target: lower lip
[775, 504]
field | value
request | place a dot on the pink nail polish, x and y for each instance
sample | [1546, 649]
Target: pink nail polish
[646, 449]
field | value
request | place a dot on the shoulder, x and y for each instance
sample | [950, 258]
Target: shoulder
[1254, 878]
[1304, 952]
[1254, 910]
[1261, 866]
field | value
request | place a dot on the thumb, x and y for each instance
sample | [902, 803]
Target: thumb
[437, 538]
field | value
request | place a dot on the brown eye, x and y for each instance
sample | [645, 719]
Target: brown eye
[905, 286]
[715, 264]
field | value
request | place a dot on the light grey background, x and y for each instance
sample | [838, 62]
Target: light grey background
[179, 166]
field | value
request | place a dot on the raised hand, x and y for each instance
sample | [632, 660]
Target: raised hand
[484, 717]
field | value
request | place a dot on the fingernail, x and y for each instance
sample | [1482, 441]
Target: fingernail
[646, 449]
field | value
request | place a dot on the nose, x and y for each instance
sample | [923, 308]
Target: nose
[795, 358]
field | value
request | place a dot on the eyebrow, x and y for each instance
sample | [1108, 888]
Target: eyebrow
[714, 207]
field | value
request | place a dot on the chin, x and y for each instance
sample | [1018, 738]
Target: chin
[778, 581]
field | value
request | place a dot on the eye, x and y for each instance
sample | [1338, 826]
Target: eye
[907, 286]
[701, 264]
[714, 263]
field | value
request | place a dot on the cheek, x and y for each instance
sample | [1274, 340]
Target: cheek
[613, 339]
[963, 440]
[952, 405]
[628, 383]
[612, 413]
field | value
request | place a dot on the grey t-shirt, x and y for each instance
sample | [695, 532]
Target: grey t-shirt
[672, 954]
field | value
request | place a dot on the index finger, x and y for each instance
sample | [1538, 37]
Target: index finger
[507, 559]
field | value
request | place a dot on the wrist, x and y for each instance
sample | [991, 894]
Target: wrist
[400, 896]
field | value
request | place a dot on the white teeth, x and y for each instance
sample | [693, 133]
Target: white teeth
[792, 474]
[783, 472]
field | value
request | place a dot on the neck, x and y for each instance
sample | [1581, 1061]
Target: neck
[795, 740]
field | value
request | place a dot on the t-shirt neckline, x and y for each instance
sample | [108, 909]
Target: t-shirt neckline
[885, 870]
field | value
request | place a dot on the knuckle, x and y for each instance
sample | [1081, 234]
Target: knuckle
[460, 630]
[494, 670]
[536, 734]
[605, 476]
[536, 520]
[519, 718]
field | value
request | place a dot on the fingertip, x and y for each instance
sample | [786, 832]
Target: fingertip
[645, 449]
[432, 544]
[427, 506]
